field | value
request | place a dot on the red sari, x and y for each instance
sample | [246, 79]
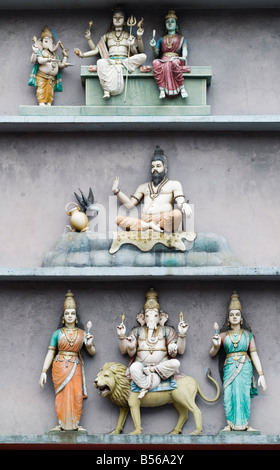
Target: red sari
[68, 379]
[168, 70]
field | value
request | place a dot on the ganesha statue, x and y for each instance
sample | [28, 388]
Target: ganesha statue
[153, 377]
[46, 71]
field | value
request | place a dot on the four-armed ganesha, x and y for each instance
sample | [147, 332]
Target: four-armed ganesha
[152, 378]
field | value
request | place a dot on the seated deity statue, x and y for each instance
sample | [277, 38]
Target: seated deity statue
[171, 52]
[159, 195]
[118, 48]
[152, 347]
[46, 75]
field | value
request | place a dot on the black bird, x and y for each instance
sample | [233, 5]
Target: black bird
[86, 203]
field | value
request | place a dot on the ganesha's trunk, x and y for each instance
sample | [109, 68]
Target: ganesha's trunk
[151, 336]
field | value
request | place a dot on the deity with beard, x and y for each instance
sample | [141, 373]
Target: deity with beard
[159, 195]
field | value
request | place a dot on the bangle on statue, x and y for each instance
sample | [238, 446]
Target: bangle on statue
[179, 195]
[182, 336]
[132, 195]
[122, 338]
[116, 192]
[44, 370]
[261, 372]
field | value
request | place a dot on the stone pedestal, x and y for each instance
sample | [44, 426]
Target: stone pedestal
[90, 249]
[141, 98]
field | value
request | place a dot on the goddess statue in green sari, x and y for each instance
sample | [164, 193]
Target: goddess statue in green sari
[241, 355]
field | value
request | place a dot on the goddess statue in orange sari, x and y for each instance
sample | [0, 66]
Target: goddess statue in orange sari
[64, 354]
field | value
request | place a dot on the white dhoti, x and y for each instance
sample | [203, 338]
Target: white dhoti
[110, 72]
[163, 371]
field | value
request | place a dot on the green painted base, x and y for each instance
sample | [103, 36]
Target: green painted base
[114, 111]
[67, 434]
[141, 98]
[240, 433]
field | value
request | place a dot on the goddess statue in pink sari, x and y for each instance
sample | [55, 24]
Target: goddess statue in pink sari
[171, 53]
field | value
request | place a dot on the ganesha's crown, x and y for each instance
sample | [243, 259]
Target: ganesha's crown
[151, 301]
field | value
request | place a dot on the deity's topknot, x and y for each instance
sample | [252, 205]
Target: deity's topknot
[69, 301]
[171, 14]
[234, 302]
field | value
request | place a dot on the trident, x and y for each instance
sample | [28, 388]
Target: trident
[130, 22]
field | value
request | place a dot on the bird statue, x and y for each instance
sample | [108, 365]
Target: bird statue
[86, 204]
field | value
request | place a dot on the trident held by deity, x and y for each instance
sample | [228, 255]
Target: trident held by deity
[130, 22]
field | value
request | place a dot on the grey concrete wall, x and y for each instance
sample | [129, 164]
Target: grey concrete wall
[241, 46]
[232, 180]
[31, 312]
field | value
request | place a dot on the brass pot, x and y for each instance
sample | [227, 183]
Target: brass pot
[78, 219]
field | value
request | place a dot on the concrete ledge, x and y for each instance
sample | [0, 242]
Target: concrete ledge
[157, 441]
[191, 4]
[115, 110]
[58, 123]
[132, 273]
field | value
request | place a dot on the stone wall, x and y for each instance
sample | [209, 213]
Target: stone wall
[30, 312]
[231, 178]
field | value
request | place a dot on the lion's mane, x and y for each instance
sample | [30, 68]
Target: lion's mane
[121, 392]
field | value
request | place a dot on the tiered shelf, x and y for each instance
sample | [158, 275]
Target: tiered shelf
[248, 123]
[132, 273]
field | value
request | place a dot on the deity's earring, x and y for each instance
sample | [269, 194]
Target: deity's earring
[76, 321]
[241, 321]
[63, 321]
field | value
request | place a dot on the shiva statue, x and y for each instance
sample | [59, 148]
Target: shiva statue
[119, 50]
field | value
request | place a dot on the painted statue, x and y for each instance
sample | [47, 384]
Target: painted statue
[241, 354]
[46, 72]
[171, 52]
[152, 378]
[159, 195]
[119, 50]
[79, 214]
[153, 347]
[64, 355]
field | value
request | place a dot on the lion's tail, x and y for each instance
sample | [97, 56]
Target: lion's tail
[210, 400]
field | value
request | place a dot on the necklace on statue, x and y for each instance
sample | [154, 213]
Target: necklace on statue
[70, 334]
[118, 37]
[235, 337]
[155, 193]
[169, 40]
[152, 341]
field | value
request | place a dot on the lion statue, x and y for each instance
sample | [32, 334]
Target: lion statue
[112, 382]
